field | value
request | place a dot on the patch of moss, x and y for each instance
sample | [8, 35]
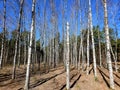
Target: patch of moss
[77, 86]
[96, 79]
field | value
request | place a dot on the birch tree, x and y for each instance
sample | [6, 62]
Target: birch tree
[26, 87]
[93, 46]
[17, 39]
[108, 44]
[67, 59]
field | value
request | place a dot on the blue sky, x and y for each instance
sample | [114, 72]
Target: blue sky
[13, 12]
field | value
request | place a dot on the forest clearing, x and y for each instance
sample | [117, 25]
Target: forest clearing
[59, 45]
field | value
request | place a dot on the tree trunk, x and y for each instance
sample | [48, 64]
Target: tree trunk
[67, 59]
[108, 44]
[93, 46]
[17, 39]
[1, 56]
[26, 87]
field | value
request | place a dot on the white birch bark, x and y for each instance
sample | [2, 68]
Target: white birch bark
[1, 56]
[26, 87]
[93, 46]
[18, 37]
[67, 59]
[108, 44]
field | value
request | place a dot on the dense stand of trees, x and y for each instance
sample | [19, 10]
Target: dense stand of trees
[42, 33]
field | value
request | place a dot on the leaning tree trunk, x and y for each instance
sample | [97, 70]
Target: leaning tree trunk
[93, 46]
[3, 38]
[26, 87]
[67, 59]
[17, 39]
[108, 44]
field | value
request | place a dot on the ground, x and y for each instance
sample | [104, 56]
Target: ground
[55, 79]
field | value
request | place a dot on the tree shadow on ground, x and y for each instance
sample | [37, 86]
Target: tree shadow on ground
[105, 75]
[90, 70]
[104, 78]
[75, 81]
[41, 81]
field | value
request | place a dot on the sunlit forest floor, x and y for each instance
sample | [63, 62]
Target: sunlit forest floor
[55, 79]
